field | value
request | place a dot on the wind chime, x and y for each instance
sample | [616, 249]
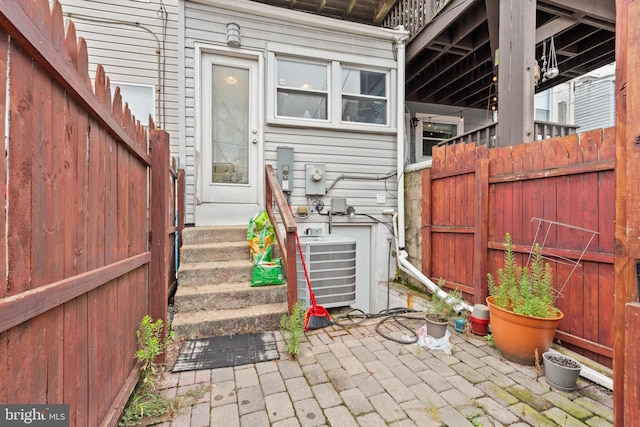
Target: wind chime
[549, 68]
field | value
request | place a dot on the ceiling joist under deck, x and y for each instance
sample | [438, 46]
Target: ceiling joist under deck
[583, 33]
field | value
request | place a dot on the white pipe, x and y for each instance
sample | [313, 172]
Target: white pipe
[400, 133]
[408, 268]
[592, 375]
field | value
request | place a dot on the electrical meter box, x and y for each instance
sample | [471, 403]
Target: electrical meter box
[315, 182]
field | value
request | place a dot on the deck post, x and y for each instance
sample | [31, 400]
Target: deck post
[516, 70]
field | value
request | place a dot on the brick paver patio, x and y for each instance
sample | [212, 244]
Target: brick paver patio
[355, 377]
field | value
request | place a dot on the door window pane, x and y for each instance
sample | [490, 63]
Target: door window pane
[230, 125]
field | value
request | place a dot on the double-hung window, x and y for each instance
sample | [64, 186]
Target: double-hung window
[325, 92]
[303, 89]
[364, 96]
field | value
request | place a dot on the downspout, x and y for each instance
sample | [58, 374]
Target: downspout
[398, 217]
[400, 94]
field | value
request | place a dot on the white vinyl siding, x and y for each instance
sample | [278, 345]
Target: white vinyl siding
[359, 149]
[594, 104]
[135, 46]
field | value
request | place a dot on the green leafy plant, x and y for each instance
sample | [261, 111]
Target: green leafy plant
[152, 344]
[523, 290]
[147, 405]
[490, 341]
[444, 308]
[292, 328]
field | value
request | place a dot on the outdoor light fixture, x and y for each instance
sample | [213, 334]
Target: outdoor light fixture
[351, 211]
[233, 35]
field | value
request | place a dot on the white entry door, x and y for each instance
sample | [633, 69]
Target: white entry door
[231, 175]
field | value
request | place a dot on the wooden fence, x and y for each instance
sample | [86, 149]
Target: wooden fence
[472, 196]
[85, 228]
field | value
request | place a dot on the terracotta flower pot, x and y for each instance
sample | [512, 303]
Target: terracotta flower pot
[517, 337]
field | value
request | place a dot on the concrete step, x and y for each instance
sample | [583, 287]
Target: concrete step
[221, 234]
[203, 273]
[219, 251]
[226, 296]
[200, 324]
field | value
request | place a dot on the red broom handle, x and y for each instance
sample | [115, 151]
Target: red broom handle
[304, 267]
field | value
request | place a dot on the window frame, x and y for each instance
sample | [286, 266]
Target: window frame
[291, 89]
[386, 97]
[336, 62]
[435, 119]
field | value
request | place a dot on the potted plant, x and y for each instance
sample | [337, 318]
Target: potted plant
[443, 309]
[523, 318]
[562, 371]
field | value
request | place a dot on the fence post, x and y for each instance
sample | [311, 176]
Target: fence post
[481, 232]
[158, 271]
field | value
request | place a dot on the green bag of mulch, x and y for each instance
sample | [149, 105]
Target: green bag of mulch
[260, 234]
[268, 273]
[263, 256]
[259, 244]
[259, 223]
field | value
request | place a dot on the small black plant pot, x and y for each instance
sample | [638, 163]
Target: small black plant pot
[562, 371]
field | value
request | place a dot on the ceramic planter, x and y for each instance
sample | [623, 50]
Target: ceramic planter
[480, 311]
[479, 326]
[562, 371]
[436, 329]
[517, 337]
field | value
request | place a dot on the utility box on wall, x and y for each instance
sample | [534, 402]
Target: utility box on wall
[315, 182]
[331, 263]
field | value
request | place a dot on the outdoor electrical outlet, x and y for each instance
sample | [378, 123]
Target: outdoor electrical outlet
[314, 231]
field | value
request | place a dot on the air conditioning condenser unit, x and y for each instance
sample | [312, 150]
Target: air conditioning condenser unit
[331, 263]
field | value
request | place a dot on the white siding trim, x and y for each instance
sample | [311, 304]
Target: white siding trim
[344, 58]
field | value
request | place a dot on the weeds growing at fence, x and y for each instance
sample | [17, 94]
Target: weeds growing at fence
[152, 344]
[146, 401]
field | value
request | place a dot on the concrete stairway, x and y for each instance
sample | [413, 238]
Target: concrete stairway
[214, 295]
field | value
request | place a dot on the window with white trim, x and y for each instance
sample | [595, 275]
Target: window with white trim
[302, 89]
[364, 96]
[330, 93]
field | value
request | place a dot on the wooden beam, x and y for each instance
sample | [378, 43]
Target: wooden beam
[627, 110]
[600, 9]
[438, 25]
[632, 363]
[383, 8]
[493, 22]
[19, 308]
[347, 12]
[516, 69]
[554, 27]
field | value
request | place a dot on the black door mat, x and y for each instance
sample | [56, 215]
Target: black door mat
[220, 352]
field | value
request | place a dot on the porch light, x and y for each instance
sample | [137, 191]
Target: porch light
[233, 35]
